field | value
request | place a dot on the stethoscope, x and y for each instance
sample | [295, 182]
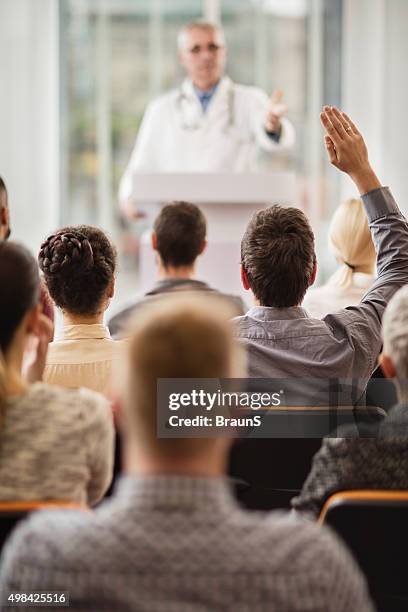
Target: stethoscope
[193, 124]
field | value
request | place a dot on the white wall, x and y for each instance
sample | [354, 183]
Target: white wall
[29, 108]
[375, 86]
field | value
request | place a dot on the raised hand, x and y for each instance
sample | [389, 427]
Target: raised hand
[346, 148]
[275, 112]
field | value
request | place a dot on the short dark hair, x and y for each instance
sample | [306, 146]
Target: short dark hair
[181, 230]
[19, 288]
[278, 256]
[2, 185]
[78, 264]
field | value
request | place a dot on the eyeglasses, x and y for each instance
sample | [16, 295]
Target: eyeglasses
[211, 48]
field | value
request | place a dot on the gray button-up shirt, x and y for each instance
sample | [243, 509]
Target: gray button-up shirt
[172, 543]
[287, 342]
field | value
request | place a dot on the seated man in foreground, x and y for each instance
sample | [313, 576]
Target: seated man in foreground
[369, 463]
[279, 264]
[178, 238]
[172, 536]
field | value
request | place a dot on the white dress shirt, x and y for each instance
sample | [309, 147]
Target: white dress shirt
[83, 356]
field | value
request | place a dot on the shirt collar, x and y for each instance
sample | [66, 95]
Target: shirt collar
[205, 95]
[271, 313]
[178, 492]
[83, 331]
[169, 283]
[188, 89]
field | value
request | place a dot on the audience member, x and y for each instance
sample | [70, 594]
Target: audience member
[79, 270]
[4, 212]
[172, 536]
[178, 238]
[54, 443]
[279, 264]
[369, 463]
[351, 243]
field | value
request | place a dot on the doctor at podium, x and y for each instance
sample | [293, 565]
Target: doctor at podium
[210, 123]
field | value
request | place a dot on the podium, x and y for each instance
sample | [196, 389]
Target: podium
[228, 200]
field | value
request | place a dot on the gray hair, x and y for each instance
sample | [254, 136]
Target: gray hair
[395, 335]
[202, 25]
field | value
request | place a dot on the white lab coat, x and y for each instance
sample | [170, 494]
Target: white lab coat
[177, 136]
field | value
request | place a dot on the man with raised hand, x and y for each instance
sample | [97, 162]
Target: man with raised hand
[278, 262]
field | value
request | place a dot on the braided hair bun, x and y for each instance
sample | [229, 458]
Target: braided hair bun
[78, 265]
[63, 252]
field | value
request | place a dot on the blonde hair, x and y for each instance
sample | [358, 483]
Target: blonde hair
[351, 243]
[176, 337]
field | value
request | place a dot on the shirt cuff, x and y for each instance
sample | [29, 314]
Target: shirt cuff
[275, 136]
[379, 203]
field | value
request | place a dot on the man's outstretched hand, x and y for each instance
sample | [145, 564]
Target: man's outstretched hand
[347, 150]
[275, 112]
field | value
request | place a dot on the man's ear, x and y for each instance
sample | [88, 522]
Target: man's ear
[314, 274]
[203, 247]
[4, 219]
[153, 240]
[244, 278]
[387, 366]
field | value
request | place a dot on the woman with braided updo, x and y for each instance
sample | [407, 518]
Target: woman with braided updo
[55, 443]
[351, 243]
[78, 264]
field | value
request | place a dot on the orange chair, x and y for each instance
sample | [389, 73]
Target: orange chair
[374, 525]
[11, 512]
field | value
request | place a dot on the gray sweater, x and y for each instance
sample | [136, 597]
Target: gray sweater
[56, 443]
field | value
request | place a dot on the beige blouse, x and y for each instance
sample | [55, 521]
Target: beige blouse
[83, 356]
[320, 301]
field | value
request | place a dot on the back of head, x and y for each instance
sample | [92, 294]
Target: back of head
[351, 243]
[180, 230]
[78, 265]
[177, 337]
[395, 335]
[20, 292]
[20, 288]
[278, 256]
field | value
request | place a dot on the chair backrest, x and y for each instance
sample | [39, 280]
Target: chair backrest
[12, 512]
[271, 463]
[374, 525]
